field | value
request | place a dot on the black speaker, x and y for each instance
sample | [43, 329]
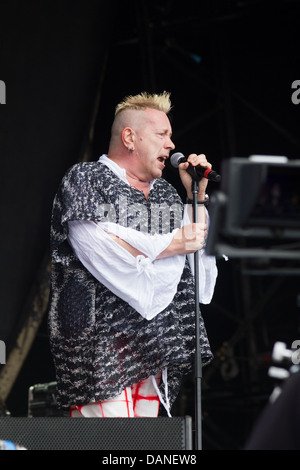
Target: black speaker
[60, 433]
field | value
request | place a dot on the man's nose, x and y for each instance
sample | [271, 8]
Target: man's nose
[170, 144]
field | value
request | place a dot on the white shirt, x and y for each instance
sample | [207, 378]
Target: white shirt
[146, 283]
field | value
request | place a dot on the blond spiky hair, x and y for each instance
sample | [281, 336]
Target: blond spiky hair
[144, 100]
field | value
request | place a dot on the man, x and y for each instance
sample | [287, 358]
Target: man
[122, 308]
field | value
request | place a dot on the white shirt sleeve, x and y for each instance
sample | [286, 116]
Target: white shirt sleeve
[207, 268]
[145, 283]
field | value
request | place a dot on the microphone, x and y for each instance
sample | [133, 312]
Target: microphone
[196, 172]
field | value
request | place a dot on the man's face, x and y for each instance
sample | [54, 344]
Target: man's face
[153, 144]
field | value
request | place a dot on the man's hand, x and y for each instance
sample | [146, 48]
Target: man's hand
[186, 179]
[188, 239]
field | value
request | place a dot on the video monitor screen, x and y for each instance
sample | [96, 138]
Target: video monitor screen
[278, 199]
[261, 196]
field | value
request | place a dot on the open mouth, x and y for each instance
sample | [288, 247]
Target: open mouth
[162, 159]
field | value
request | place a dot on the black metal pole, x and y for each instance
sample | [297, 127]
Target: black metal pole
[198, 360]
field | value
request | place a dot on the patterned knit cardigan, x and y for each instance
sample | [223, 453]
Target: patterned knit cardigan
[100, 344]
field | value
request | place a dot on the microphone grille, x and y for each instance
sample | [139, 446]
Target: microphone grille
[175, 159]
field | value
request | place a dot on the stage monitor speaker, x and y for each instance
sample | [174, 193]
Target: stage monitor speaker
[60, 433]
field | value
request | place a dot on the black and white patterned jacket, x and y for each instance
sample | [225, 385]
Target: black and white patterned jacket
[100, 344]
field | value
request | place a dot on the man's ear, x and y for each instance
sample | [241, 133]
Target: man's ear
[128, 138]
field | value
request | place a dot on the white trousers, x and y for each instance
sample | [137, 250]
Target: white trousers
[139, 400]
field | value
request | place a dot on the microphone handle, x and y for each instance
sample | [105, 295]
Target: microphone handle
[192, 170]
[198, 172]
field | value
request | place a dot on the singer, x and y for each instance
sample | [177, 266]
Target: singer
[121, 312]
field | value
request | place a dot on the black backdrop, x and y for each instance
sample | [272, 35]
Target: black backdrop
[229, 66]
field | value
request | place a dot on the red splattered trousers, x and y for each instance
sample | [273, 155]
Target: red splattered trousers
[139, 400]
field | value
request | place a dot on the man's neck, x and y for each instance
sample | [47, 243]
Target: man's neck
[136, 181]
